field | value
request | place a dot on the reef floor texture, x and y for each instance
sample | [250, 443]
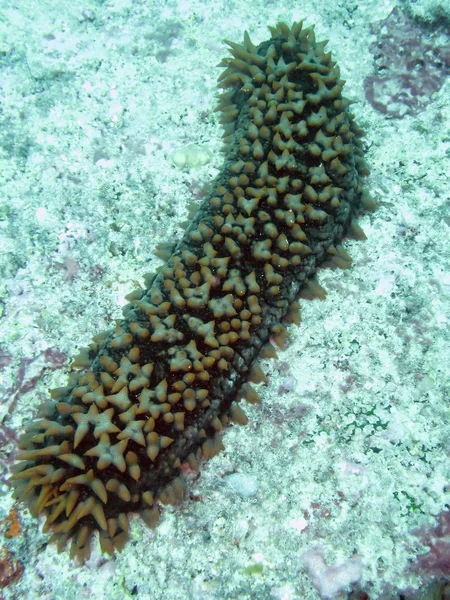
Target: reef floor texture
[336, 486]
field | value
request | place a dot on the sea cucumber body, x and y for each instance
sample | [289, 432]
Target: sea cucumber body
[155, 393]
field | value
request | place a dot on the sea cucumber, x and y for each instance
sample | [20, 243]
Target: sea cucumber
[154, 394]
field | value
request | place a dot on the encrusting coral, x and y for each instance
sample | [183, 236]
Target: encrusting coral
[411, 64]
[154, 394]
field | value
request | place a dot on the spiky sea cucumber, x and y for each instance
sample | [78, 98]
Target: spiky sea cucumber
[155, 393]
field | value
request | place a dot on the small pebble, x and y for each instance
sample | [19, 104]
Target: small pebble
[191, 156]
[243, 484]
